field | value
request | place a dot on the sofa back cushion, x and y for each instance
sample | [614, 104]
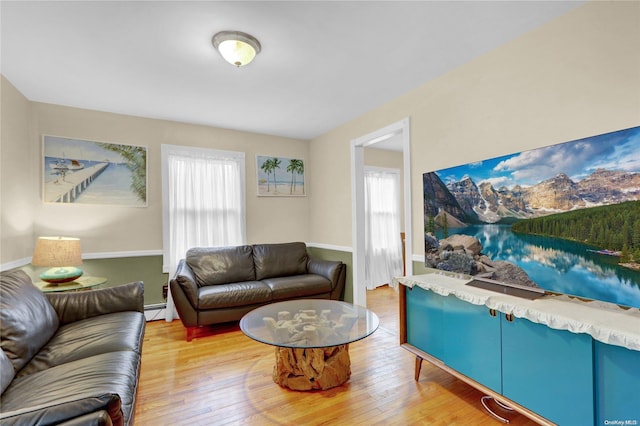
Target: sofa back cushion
[6, 371]
[280, 260]
[27, 318]
[221, 265]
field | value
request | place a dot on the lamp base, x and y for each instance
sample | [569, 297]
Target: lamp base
[61, 275]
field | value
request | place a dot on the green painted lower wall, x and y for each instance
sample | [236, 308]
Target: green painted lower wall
[149, 270]
[419, 268]
[346, 258]
[117, 271]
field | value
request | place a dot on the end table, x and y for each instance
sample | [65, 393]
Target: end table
[82, 283]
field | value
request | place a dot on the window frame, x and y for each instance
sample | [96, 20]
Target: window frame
[166, 151]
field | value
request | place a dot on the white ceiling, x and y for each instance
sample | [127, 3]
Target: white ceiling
[322, 63]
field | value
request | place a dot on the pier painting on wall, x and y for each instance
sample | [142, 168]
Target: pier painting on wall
[87, 172]
[568, 214]
[280, 177]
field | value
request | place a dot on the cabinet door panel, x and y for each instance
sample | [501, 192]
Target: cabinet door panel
[473, 347]
[424, 321]
[548, 371]
[617, 381]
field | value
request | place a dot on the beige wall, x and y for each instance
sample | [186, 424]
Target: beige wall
[383, 158]
[17, 175]
[107, 229]
[577, 76]
[574, 77]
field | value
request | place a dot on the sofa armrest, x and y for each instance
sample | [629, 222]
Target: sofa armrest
[76, 306]
[97, 418]
[334, 271]
[184, 292]
[185, 278]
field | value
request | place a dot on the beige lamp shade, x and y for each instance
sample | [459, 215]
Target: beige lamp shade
[60, 254]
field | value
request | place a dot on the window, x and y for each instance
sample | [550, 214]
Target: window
[203, 200]
[383, 245]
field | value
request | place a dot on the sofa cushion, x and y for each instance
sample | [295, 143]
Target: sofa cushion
[221, 265]
[6, 371]
[102, 382]
[28, 319]
[280, 260]
[298, 286]
[79, 305]
[81, 339]
[233, 294]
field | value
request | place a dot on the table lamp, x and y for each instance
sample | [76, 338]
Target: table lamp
[60, 254]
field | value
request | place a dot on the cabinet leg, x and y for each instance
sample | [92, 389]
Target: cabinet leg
[416, 374]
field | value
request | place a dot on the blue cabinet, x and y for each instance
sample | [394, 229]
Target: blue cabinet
[465, 337]
[548, 371]
[473, 345]
[547, 374]
[617, 385]
[425, 326]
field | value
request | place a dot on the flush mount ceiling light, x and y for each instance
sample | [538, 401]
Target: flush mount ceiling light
[236, 47]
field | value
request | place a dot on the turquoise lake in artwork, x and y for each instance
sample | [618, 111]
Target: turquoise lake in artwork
[560, 265]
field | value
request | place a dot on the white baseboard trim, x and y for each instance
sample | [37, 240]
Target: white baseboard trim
[15, 264]
[87, 256]
[120, 254]
[414, 257]
[155, 312]
[330, 247]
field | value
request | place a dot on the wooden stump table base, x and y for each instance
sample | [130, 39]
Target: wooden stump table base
[305, 369]
[311, 339]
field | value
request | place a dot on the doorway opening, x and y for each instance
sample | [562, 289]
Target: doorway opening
[396, 134]
[383, 224]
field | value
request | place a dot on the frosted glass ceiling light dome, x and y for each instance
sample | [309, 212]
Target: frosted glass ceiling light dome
[236, 47]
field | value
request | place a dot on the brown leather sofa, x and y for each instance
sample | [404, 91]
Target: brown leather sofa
[216, 285]
[69, 358]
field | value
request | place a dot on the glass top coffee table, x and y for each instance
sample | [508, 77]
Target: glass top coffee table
[312, 339]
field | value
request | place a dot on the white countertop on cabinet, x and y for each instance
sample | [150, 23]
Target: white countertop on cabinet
[605, 322]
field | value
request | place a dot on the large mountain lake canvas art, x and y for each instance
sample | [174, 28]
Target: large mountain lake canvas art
[568, 215]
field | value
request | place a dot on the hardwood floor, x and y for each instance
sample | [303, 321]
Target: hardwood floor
[224, 378]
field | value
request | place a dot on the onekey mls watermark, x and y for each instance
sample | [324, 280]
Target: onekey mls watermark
[628, 422]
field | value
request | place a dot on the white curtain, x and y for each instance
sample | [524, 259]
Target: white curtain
[383, 245]
[204, 203]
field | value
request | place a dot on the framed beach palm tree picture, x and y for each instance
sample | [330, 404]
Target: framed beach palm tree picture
[280, 176]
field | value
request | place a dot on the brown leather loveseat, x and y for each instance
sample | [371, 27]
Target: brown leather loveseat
[69, 358]
[221, 284]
